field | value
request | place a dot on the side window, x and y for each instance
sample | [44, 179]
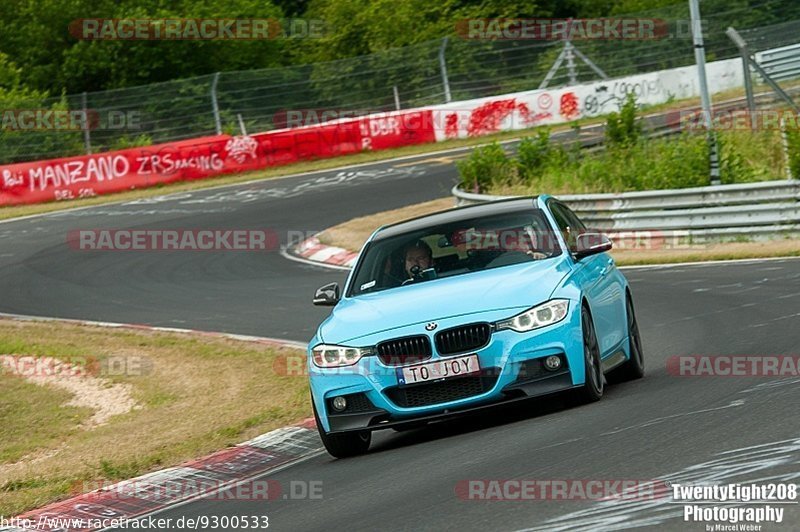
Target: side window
[573, 219]
[568, 223]
[561, 219]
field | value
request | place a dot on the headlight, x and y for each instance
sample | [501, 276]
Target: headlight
[543, 315]
[334, 356]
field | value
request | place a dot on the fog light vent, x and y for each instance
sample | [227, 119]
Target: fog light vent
[339, 403]
[552, 363]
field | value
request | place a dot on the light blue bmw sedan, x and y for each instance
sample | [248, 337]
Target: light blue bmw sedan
[461, 310]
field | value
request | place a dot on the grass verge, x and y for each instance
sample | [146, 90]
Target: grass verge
[352, 234]
[195, 395]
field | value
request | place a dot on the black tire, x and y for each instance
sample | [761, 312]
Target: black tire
[343, 445]
[592, 389]
[633, 368]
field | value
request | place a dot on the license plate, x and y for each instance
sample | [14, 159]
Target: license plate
[439, 369]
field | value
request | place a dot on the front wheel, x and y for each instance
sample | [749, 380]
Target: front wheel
[345, 444]
[633, 368]
[592, 389]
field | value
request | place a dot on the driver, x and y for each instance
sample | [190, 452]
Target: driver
[418, 257]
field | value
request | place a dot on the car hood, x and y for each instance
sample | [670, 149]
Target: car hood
[519, 286]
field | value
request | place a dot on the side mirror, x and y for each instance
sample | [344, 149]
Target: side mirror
[327, 296]
[591, 244]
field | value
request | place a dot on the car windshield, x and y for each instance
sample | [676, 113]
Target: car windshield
[451, 249]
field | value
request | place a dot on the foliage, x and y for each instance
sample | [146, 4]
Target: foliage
[622, 128]
[485, 165]
[125, 142]
[677, 162]
[35, 33]
[397, 44]
[628, 161]
[19, 144]
[793, 140]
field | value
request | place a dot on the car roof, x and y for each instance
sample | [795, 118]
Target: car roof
[468, 212]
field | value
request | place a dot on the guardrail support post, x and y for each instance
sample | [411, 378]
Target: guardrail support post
[443, 68]
[396, 97]
[215, 105]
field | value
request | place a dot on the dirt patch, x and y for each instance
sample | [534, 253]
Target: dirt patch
[105, 398]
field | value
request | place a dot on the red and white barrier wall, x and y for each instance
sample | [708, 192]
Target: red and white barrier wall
[103, 173]
[555, 106]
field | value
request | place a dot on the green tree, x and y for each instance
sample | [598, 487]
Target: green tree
[36, 33]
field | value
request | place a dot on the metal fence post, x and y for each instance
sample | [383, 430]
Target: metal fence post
[87, 141]
[573, 75]
[443, 68]
[748, 87]
[396, 98]
[748, 82]
[786, 157]
[215, 105]
[705, 99]
[742, 45]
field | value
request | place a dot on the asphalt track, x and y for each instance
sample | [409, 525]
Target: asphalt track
[664, 427]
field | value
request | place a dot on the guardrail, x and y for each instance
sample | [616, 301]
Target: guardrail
[781, 63]
[713, 213]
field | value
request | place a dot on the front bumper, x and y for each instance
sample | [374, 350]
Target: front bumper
[511, 370]
[380, 419]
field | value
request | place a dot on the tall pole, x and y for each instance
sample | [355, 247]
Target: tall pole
[573, 75]
[443, 68]
[705, 100]
[396, 97]
[215, 105]
[87, 141]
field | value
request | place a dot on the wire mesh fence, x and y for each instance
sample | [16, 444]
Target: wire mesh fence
[776, 49]
[427, 73]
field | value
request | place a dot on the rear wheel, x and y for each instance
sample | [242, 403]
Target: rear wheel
[633, 368]
[592, 389]
[345, 444]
